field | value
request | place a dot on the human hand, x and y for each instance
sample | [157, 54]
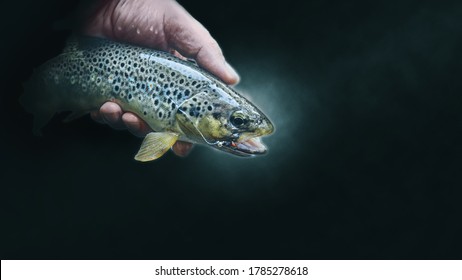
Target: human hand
[158, 24]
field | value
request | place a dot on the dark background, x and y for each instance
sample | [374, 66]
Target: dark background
[365, 163]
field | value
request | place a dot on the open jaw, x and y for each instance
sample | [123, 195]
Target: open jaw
[248, 147]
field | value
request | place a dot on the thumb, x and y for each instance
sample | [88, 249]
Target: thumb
[191, 39]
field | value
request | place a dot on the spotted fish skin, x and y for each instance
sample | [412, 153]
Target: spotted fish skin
[170, 94]
[147, 82]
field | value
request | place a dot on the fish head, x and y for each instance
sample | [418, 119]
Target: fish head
[225, 120]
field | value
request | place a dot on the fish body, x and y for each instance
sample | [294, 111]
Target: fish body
[176, 98]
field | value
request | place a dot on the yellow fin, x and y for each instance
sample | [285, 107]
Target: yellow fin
[155, 144]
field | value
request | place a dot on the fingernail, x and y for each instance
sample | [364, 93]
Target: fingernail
[234, 76]
[182, 149]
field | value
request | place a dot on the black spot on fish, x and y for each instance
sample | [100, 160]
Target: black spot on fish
[216, 115]
[130, 96]
[209, 108]
[187, 92]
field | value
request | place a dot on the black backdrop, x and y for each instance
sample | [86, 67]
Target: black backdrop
[365, 162]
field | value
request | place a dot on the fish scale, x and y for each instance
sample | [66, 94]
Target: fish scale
[137, 77]
[170, 94]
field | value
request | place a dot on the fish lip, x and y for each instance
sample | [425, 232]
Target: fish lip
[250, 147]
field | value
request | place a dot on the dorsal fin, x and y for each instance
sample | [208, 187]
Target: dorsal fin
[193, 61]
[71, 44]
[80, 43]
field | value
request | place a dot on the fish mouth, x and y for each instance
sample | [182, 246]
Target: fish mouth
[248, 147]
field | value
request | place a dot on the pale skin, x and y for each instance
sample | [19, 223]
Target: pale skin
[158, 24]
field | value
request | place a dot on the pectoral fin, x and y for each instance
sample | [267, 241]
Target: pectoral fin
[155, 144]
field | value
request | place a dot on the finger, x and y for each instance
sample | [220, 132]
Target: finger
[181, 148]
[177, 54]
[161, 25]
[191, 39]
[112, 115]
[96, 116]
[135, 125]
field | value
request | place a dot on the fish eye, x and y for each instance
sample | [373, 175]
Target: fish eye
[238, 119]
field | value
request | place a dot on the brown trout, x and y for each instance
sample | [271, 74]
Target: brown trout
[176, 98]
